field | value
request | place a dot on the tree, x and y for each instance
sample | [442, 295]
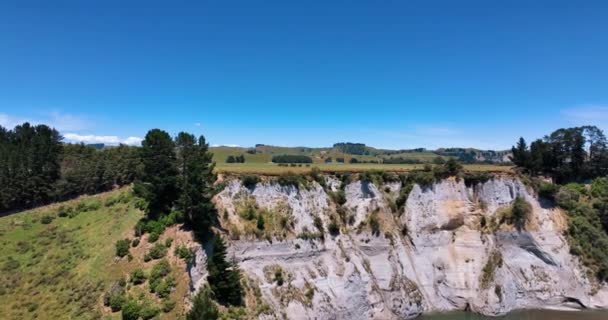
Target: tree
[196, 183]
[203, 307]
[158, 184]
[230, 159]
[452, 167]
[224, 277]
[520, 154]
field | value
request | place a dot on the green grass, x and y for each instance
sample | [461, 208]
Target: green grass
[273, 169]
[61, 269]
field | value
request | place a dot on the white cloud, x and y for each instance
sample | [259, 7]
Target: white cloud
[225, 145]
[198, 124]
[57, 120]
[589, 114]
[110, 140]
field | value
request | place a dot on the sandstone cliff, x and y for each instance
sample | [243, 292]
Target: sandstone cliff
[445, 249]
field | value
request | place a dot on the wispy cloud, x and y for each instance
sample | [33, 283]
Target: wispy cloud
[198, 124]
[110, 140]
[225, 145]
[589, 114]
[57, 120]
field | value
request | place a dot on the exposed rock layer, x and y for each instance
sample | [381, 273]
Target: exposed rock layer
[435, 254]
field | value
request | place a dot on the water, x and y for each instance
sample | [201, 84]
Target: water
[524, 315]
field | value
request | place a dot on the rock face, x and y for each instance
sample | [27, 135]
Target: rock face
[444, 250]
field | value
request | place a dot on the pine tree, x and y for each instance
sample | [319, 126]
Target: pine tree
[196, 183]
[520, 153]
[203, 307]
[224, 277]
[158, 184]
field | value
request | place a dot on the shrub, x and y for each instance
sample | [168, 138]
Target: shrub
[374, 223]
[339, 197]
[168, 242]
[135, 242]
[158, 251]
[567, 197]
[10, 264]
[46, 219]
[291, 159]
[548, 190]
[153, 237]
[138, 277]
[148, 311]
[63, 211]
[130, 310]
[278, 277]
[184, 252]
[167, 305]
[473, 179]
[487, 273]
[333, 228]
[599, 188]
[291, 179]
[122, 247]
[260, 222]
[318, 224]
[203, 306]
[250, 181]
[520, 212]
[116, 302]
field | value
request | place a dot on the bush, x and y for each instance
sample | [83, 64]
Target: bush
[278, 277]
[374, 223]
[333, 228]
[122, 247]
[260, 222]
[148, 311]
[167, 305]
[339, 197]
[599, 188]
[291, 159]
[153, 237]
[250, 181]
[116, 302]
[184, 253]
[138, 277]
[203, 306]
[135, 242]
[473, 179]
[291, 179]
[63, 211]
[548, 190]
[318, 224]
[567, 198]
[46, 219]
[130, 310]
[158, 251]
[520, 212]
[168, 242]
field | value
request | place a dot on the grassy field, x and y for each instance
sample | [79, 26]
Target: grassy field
[274, 169]
[59, 265]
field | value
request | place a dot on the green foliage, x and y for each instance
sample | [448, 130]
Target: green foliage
[135, 242]
[260, 222]
[224, 277]
[184, 253]
[567, 197]
[122, 247]
[203, 307]
[588, 240]
[168, 242]
[599, 188]
[291, 159]
[167, 305]
[158, 251]
[278, 277]
[548, 190]
[339, 197]
[250, 181]
[131, 310]
[292, 179]
[571, 154]
[46, 219]
[520, 212]
[489, 269]
[138, 276]
[374, 223]
[10, 264]
[474, 178]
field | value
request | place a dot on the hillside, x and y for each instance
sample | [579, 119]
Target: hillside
[58, 261]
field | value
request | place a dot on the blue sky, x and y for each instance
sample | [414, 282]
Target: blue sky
[395, 74]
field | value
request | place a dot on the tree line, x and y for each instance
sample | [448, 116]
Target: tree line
[235, 159]
[291, 159]
[36, 168]
[571, 154]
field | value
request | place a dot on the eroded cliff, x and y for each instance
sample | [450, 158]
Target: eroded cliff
[346, 251]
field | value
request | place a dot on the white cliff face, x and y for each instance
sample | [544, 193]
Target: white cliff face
[434, 255]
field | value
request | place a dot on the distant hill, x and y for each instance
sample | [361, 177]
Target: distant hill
[345, 151]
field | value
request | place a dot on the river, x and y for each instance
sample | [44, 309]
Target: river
[524, 315]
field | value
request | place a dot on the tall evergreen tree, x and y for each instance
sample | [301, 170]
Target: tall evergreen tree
[158, 184]
[520, 153]
[203, 307]
[224, 277]
[196, 183]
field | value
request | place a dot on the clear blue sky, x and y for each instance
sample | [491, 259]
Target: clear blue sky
[395, 74]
